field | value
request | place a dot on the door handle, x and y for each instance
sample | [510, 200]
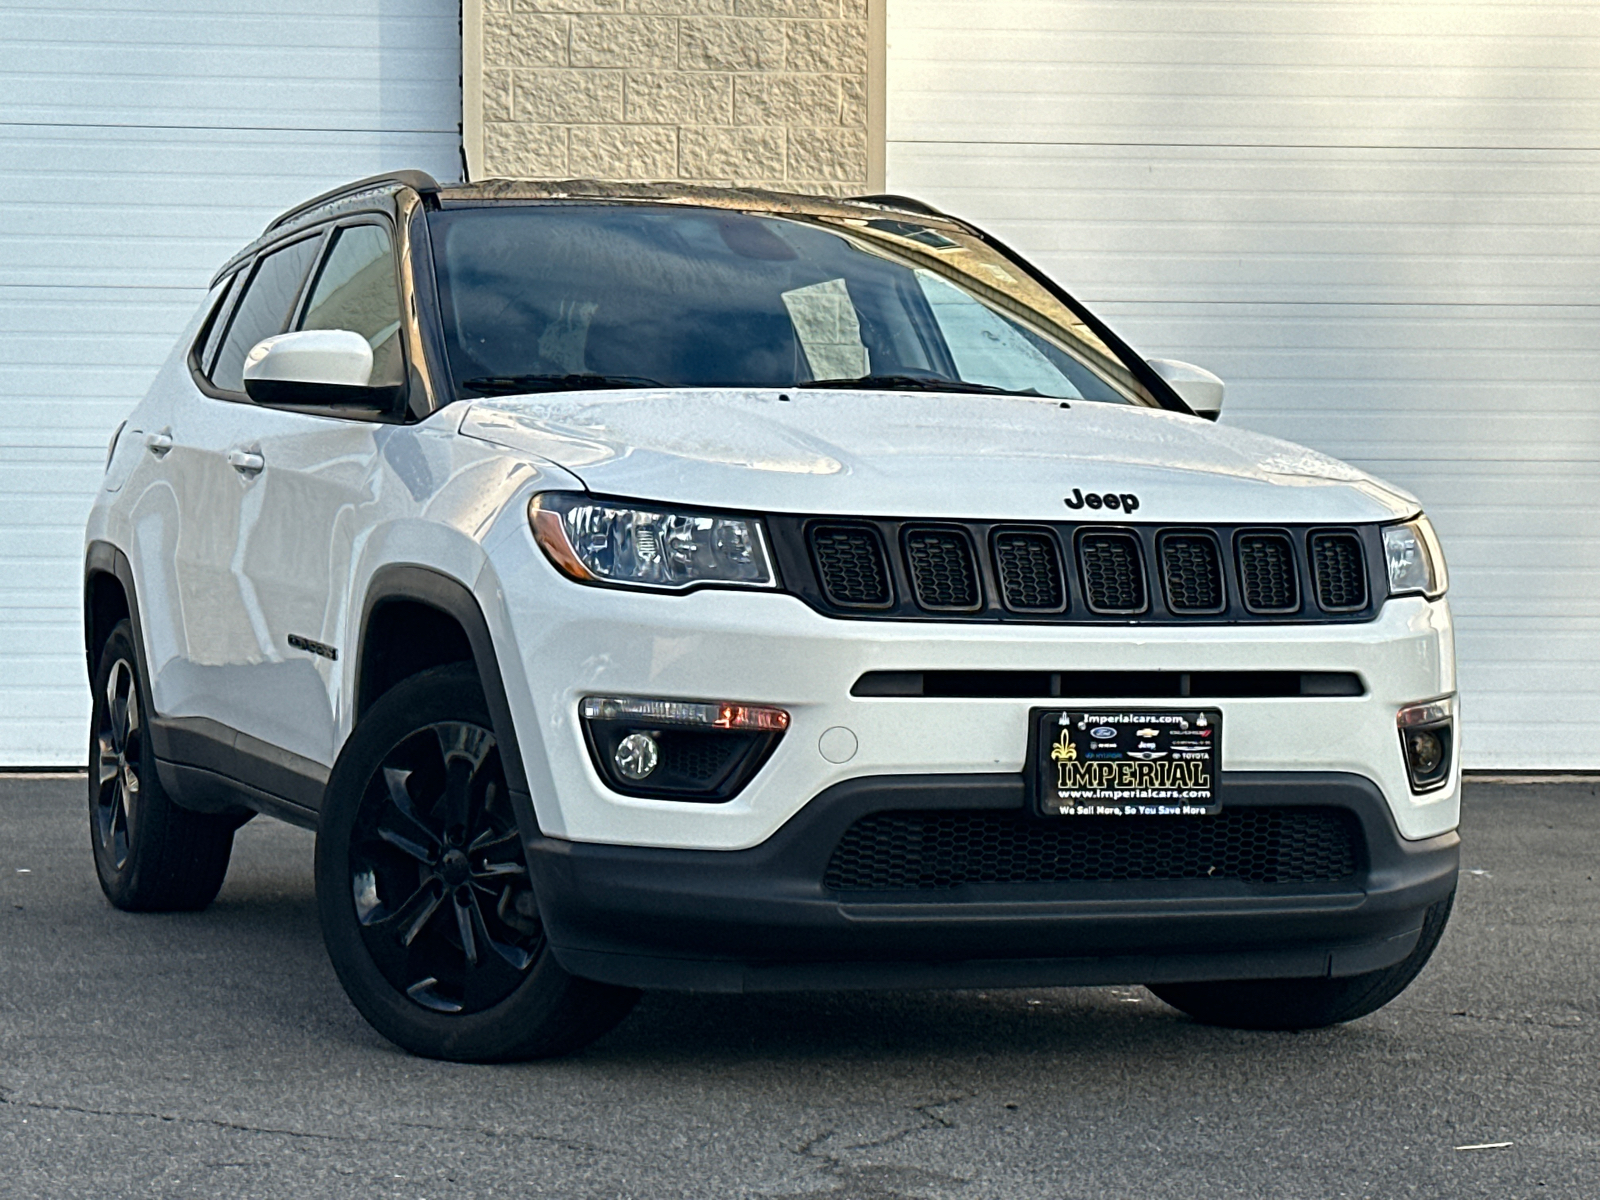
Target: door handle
[245, 462]
[158, 443]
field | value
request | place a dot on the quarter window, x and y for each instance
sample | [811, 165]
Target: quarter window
[357, 290]
[218, 323]
[263, 310]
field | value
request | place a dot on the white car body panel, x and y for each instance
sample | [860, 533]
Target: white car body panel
[926, 455]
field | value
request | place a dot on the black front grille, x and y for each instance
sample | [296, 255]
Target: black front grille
[1066, 572]
[1193, 572]
[1113, 571]
[851, 566]
[1030, 571]
[904, 851]
[1267, 573]
[944, 575]
[1336, 561]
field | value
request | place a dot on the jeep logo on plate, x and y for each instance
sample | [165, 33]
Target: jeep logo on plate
[1126, 501]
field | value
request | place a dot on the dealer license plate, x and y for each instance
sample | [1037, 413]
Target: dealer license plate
[1142, 763]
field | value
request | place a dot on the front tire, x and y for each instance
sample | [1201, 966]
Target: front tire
[150, 854]
[1289, 1004]
[423, 887]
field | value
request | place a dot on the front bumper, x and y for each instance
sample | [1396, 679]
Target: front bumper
[560, 641]
[761, 919]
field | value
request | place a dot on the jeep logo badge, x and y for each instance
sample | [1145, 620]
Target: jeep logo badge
[1125, 501]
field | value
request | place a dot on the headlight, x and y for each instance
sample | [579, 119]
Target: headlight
[1416, 564]
[600, 541]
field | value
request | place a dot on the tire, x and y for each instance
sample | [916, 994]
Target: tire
[427, 905]
[150, 855]
[1306, 1003]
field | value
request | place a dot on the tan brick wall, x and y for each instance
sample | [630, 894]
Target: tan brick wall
[768, 93]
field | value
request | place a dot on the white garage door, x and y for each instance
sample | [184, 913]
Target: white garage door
[1377, 219]
[143, 143]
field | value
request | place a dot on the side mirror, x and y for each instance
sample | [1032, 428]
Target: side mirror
[315, 368]
[1196, 386]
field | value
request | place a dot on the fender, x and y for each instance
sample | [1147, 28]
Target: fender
[425, 585]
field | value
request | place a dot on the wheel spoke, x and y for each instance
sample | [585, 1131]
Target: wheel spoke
[492, 839]
[421, 853]
[422, 916]
[398, 783]
[501, 870]
[469, 945]
[109, 767]
[422, 992]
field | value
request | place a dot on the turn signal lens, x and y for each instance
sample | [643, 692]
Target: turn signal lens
[686, 712]
[596, 541]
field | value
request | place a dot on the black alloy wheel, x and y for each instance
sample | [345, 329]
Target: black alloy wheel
[437, 875]
[150, 854]
[118, 749]
[428, 909]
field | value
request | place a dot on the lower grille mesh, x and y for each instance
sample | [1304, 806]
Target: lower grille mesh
[903, 851]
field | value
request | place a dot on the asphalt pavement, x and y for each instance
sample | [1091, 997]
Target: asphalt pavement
[214, 1054]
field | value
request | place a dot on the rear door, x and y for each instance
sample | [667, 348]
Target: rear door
[210, 464]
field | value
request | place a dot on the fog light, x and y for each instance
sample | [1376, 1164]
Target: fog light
[1427, 732]
[1422, 748]
[705, 750]
[636, 755]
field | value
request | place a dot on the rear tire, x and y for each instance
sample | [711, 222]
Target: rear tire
[1306, 1003]
[150, 855]
[424, 891]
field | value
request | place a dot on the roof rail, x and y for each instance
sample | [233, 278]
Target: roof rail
[419, 180]
[906, 203]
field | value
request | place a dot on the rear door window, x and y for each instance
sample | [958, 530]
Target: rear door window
[357, 289]
[264, 309]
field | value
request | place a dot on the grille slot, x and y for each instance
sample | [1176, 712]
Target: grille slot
[944, 575]
[904, 851]
[1192, 570]
[1337, 561]
[1267, 576]
[851, 566]
[1113, 571]
[1030, 572]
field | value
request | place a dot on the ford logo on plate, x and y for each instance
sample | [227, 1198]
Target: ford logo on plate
[1105, 731]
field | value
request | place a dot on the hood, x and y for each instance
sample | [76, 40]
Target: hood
[891, 454]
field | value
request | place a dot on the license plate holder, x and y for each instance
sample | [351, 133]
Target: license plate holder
[1142, 762]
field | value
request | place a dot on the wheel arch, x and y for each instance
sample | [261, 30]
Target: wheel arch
[109, 596]
[405, 599]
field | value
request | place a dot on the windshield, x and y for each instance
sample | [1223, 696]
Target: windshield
[543, 297]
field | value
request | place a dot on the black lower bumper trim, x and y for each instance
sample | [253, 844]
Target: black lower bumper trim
[761, 919]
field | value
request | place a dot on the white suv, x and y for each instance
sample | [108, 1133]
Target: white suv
[721, 590]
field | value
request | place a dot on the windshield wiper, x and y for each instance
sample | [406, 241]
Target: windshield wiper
[507, 385]
[915, 383]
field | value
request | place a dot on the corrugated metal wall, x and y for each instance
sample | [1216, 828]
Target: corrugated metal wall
[1376, 219]
[143, 143]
